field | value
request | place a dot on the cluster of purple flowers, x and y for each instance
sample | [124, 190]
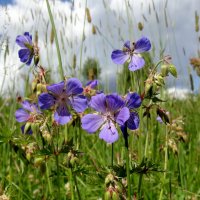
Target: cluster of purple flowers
[111, 111]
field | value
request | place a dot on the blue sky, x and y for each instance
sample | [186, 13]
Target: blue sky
[5, 2]
[112, 21]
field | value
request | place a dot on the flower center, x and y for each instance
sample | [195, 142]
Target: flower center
[109, 117]
[62, 99]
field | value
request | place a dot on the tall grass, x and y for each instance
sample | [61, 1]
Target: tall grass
[163, 163]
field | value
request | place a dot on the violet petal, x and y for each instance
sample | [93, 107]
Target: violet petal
[142, 45]
[119, 57]
[92, 122]
[109, 133]
[136, 63]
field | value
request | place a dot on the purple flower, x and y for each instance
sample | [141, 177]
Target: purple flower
[27, 52]
[159, 119]
[92, 84]
[111, 110]
[132, 53]
[65, 96]
[28, 113]
[132, 101]
[89, 89]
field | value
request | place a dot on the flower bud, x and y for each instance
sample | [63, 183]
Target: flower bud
[34, 85]
[36, 59]
[172, 70]
[34, 127]
[28, 156]
[107, 196]
[27, 127]
[159, 80]
[47, 136]
[148, 85]
[164, 70]
[115, 195]
[74, 161]
[109, 179]
[38, 161]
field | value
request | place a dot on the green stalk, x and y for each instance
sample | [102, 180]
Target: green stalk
[56, 41]
[57, 163]
[140, 184]
[76, 185]
[128, 174]
[112, 152]
[145, 155]
[71, 184]
[58, 176]
[147, 139]
[125, 133]
[82, 38]
[47, 177]
[165, 164]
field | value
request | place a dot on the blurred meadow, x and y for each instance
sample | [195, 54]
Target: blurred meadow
[162, 159]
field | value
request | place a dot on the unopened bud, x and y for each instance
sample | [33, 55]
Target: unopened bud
[74, 161]
[36, 59]
[172, 70]
[38, 161]
[34, 127]
[27, 127]
[107, 196]
[148, 85]
[34, 85]
[28, 156]
[109, 179]
[164, 70]
[47, 136]
[115, 195]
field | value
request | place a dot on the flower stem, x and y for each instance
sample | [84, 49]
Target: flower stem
[165, 164]
[71, 184]
[82, 40]
[145, 155]
[47, 177]
[127, 162]
[147, 140]
[128, 174]
[76, 184]
[58, 176]
[56, 40]
[57, 162]
[112, 152]
[139, 184]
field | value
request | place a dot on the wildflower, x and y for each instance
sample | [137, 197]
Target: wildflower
[90, 87]
[132, 54]
[111, 111]
[133, 101]
[27, 52]
[162, 116]
[92, 84]
[64, 96]
[28, 113]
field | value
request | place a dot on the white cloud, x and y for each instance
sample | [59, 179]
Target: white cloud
[178, 93]
[111, 19]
